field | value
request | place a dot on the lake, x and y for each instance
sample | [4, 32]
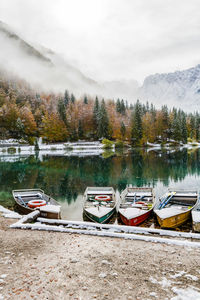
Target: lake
[66, 178]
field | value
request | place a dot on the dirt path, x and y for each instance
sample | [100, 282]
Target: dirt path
[47, 265]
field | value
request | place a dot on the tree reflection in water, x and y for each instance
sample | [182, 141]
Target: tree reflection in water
[64, 178]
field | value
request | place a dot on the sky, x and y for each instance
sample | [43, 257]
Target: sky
[112, 39]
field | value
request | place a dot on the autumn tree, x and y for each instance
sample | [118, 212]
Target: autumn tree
[53, 129]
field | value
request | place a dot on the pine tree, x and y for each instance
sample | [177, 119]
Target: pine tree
[73, 99]
[123, 108]
[197, 126]
[192, 126]
[62, 110]
[118, 106]
[66, 98]
[136, 132]
[123, 130]
[85, 100]
[80, 129]
[176, 125]
[103, 129]
[184, 128]
[96, 117]
[147, 106]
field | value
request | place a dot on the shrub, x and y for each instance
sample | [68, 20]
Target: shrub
[12, 150]
[107, 144]
[119, 144]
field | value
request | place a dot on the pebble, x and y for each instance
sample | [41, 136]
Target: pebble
[105, 262]
[74, 260]
[102, 275]
[84, 288]
[3, 275]
[114, 274]
[153, 294]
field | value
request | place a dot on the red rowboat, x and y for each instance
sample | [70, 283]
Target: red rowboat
[136, 205]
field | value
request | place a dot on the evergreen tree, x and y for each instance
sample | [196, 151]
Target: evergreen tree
[85, 100]
[165, 122]
[62, 110]
[136, 132]
[123, 108]
[176, 126]
[184, 128]
[197, 126]
[153, 112]
[96, 116]
[72, 99]
[66, 98]
[118, 106]
[123, 130]
[147, 106]
[192, 127]
[103, 129]
[80, 129]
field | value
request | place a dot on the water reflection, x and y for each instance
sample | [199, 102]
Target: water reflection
[65, 178]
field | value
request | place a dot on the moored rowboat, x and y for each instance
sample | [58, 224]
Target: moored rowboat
[196, 217]
[99, 203]
[175, 207]
[136, 205]
[27, 200]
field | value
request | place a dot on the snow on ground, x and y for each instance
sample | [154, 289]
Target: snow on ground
[186, 294]
[9, 213]
[41, 265]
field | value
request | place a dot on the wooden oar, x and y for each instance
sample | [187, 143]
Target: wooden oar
[21, 200]
[167, 201]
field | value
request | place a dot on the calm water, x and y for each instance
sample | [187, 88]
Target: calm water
[66, 178]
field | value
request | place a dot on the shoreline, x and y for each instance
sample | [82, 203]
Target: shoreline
[49, 265]
[79, 149]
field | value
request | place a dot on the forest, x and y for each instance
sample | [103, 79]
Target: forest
[27, 114]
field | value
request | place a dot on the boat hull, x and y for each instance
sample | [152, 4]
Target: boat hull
[102, 219]
[136, 220]
[196, 226]
[45, 214]
[174, 221]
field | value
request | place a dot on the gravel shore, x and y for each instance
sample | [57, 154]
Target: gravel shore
[49, 265]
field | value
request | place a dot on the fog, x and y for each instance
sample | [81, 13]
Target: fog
[101, 46]
[112, 39]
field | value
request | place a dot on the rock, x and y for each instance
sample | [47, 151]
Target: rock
[102, 275]
[74, 260]
[105, 262]
[84, 288]
[114, 274]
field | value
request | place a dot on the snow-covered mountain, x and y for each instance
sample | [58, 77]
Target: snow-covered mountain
[44, 69]
[181, 88]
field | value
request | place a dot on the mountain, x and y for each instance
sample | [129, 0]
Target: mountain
[46, 70]
[180, 88]
[42, 69]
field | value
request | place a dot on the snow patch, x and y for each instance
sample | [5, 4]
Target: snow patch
[185, 294]
[181, 273]
[9, 213]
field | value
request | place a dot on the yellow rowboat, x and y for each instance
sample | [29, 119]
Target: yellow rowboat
[175, 207]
